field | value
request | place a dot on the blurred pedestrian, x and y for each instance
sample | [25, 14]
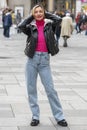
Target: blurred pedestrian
[86, 24]
[7, 22]
[58, 29]
[41, 40]
[18, 20]
[66, 28]
[78, 22]
[58, 32]
[86, 32]
[13, 16]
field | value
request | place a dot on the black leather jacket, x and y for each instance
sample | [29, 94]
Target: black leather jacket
[49, 29]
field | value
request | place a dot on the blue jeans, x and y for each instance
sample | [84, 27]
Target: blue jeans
[39, 64]
[6, 31]
[86, 32]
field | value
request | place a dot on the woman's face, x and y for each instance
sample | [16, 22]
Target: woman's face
[39, 13]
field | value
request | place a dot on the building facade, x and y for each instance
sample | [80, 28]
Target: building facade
[23, 5]
[51, 5]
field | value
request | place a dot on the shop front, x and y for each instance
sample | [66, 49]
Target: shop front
[60, 5]
[84, 5]
[63, 5]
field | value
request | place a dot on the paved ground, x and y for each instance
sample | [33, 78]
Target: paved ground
[69, 69]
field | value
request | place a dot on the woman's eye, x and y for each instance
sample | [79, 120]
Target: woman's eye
[35, 12]
[40, 11]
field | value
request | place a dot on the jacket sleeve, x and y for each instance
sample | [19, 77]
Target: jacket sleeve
[24, 25]
[56, 20]
[53, 17]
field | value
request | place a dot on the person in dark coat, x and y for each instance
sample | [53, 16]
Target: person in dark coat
[7, 22]
[58, 29]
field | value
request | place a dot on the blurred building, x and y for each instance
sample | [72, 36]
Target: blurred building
[23, 5]
[3, 4]
[84, 5]
[61, 5]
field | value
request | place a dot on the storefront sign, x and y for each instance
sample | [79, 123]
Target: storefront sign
[83, 0]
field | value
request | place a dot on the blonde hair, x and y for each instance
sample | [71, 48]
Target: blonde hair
[36, 6]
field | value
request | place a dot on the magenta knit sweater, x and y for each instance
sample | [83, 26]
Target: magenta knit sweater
[41, 44]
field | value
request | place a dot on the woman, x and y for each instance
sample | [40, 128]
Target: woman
[41, 42]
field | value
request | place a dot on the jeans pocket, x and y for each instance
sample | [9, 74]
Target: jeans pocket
[45, 59]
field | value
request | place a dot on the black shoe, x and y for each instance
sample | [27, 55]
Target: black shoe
[62, 123]
[34, 122]
[65, 45]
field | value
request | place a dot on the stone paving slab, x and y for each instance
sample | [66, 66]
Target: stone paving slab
[12, 99]
[8, 128]
[80, 127]
[16, 91]
[16, 121]
[6, 111]
[77, 120]
[41, 127]
[20, 108]
[75, 113]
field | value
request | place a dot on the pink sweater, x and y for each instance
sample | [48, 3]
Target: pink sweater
[41, 45]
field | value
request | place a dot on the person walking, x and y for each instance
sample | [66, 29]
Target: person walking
[40, 28]
[78, 23]
[66, 28]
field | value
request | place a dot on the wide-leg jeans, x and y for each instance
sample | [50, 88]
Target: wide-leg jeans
[40, 64]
